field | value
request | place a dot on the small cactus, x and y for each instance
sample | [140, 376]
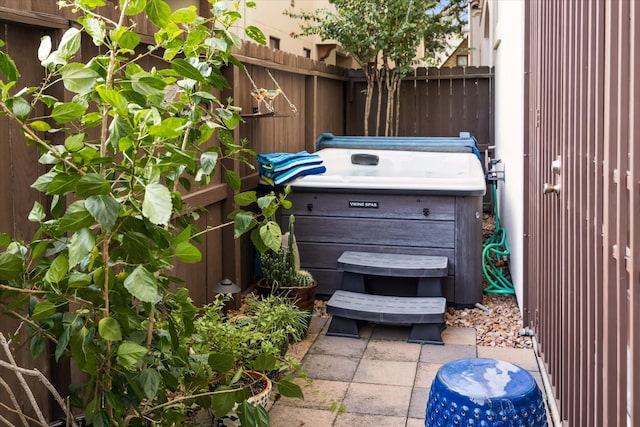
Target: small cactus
[282, 268]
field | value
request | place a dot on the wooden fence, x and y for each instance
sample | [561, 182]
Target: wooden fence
[582, 250]
[319, 98]
[433, 102]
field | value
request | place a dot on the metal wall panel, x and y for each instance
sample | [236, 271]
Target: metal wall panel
[581, 277]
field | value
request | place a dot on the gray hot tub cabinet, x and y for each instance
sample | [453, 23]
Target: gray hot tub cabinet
[424, 214]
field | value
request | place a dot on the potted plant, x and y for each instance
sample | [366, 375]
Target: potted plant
[244, 349]
[282, 274]
[131, 131]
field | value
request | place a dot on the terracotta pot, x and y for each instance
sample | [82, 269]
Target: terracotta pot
[304, 296]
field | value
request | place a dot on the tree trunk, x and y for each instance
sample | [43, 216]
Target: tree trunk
[397, 127]
[370, 77]
[379, 74]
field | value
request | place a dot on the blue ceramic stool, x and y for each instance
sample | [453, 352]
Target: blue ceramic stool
[484, 392]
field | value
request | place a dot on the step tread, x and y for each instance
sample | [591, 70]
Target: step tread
[393, 265]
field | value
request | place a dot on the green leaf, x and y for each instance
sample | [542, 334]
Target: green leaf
[104, 208]
[92, 184]
[91, 410]
[252, 415]
[115, 99]
[74, 142]
[148, 86]
[8, 67]
[109, 329]
[185, 15]
[92, 119]
[208, 161]
[37, 213]
[130, 355]
[142, 285]
[245, 198]
[42, 310]
[271, 235]
[216, 43]
[150, 380]
[76, 217]
[290, 389]
[68, 111]
[92, 4]
[183, 68]
[57, 270]
[172, 127]
[37, 345]
[222, 403]
[118, 129]
[158, 12]
[78, 79]
[96, 29]
[10, 266]
[70, 43]
[135, 7]
[156, 206]
[63, 341]
[233, 179]
[5, 239]
[80, 245]
[44, 50]
[221, 362]
[129, 40]
[188, 253]
[255, 34]
[19, 107]
[100, 419]
[79, 280]
[243, 222]
[264, 362]
[61, 183]
[40, 126]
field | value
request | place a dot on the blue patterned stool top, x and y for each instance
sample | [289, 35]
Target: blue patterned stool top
[484, 392]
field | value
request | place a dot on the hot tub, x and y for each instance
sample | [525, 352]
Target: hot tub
[390, 199]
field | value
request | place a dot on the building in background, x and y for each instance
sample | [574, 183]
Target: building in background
[459, 57]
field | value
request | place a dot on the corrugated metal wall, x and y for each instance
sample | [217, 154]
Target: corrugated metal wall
[582, 255]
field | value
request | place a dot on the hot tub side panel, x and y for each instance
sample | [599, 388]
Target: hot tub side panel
[329, 223]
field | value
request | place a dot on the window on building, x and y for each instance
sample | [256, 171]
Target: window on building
[462, 60]
[306, 52]
[274, 43]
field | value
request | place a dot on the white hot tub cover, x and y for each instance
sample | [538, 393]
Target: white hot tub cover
[431, 172]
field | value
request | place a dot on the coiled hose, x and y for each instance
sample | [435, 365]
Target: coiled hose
[495, 253]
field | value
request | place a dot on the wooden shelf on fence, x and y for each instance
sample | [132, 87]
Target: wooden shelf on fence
[262, 115]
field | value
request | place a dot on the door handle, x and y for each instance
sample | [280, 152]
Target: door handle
[551, 188]
[556, 168]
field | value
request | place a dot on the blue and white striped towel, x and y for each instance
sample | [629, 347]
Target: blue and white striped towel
[280, 168]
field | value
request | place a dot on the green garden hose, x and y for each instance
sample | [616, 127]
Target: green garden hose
[495, 253]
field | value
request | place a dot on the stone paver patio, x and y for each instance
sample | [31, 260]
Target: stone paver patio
[379, 379]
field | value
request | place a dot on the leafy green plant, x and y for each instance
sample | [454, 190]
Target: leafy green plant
[122, 145]
[256, 340]
[278, 318]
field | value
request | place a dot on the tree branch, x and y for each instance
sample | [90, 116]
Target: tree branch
[18, 371]
[40, 377]
[14, 401]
